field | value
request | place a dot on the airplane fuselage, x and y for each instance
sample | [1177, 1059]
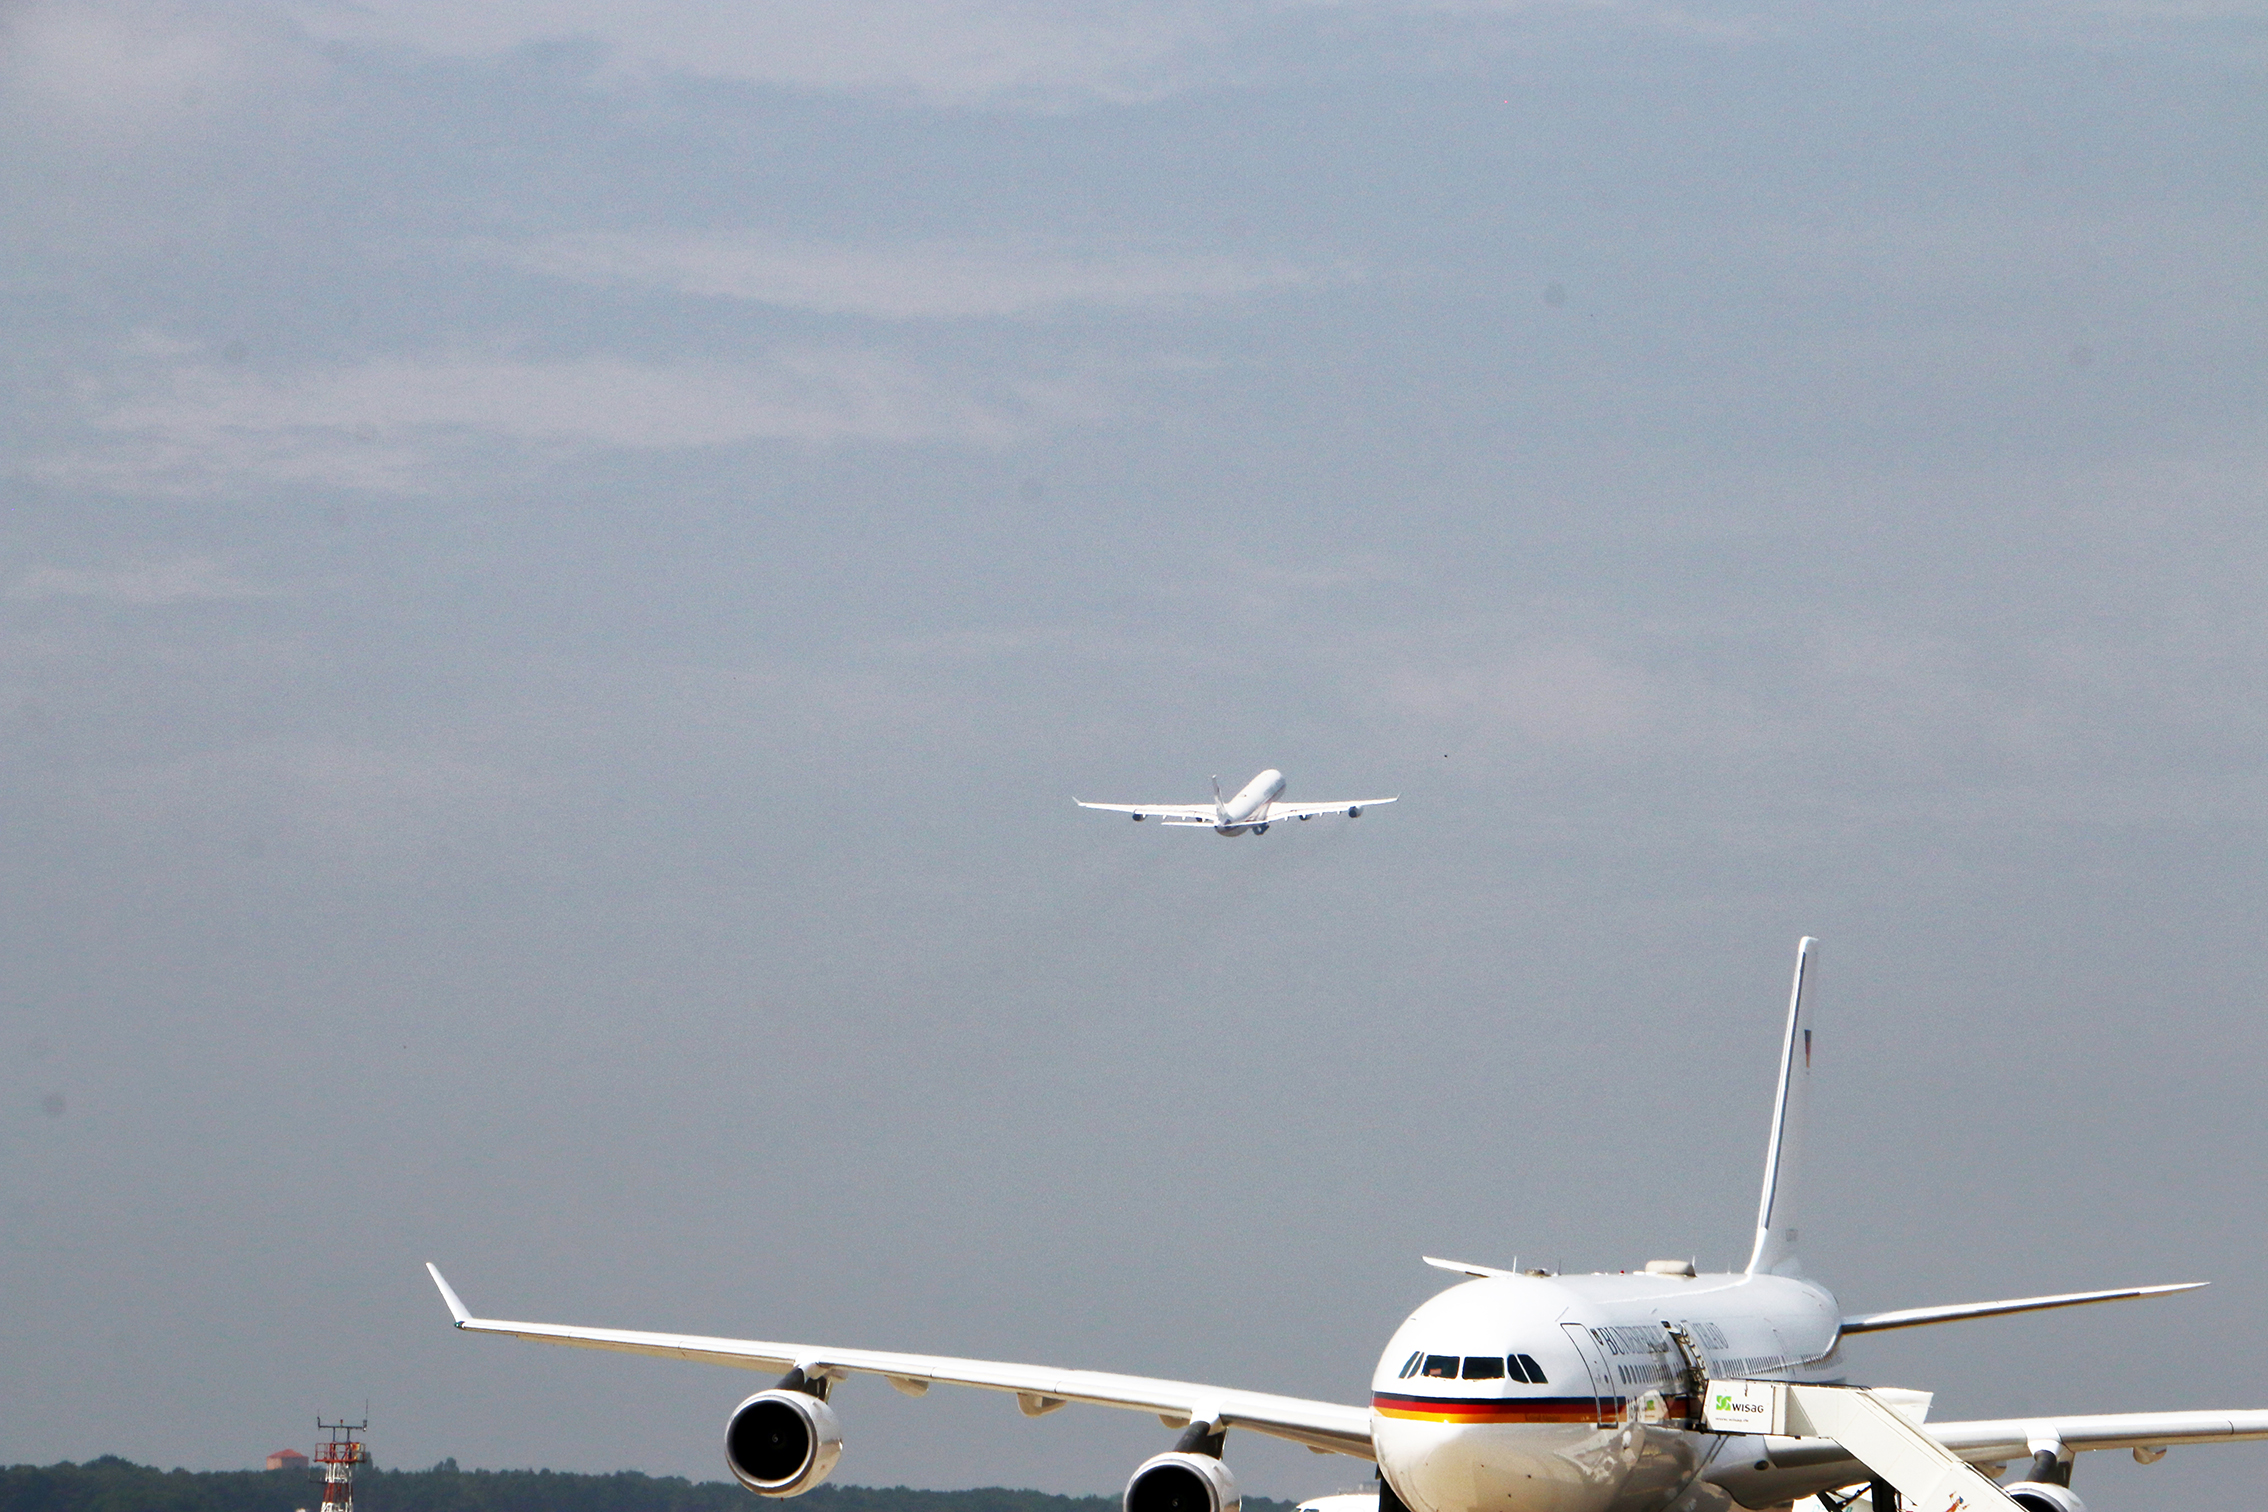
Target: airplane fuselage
[1251, 799]
[1457, 1429]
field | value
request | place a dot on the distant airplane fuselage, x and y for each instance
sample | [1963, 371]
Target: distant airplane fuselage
[1251, 811]
[1251, 799]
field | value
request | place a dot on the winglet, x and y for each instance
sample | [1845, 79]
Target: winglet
[456, 1303]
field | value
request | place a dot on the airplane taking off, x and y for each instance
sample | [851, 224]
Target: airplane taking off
[1251, 811]
[1656, 1390]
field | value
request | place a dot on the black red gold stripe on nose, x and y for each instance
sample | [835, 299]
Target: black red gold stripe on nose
[1581, 1409]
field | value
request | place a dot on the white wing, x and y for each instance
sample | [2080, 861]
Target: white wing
[2012, 1438]
[1186, 813]
[1324, 1426]
[2012, 1441]
[1278, 811]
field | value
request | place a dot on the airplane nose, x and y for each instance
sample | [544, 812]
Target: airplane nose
[1442, 1467]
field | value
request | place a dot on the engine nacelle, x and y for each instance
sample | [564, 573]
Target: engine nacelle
[2043, 1496]
[782, 1443]
[1178, 1482]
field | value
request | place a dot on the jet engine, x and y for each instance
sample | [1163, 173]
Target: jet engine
[2043, 1496]
[1179, 1482]
[782, 1442]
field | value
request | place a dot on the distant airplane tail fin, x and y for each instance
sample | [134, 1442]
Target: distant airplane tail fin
[1776, 1212]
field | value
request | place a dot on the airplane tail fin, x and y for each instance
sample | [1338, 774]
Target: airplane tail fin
[1776, 1212]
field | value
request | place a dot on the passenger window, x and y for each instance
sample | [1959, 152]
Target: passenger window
[1410, 1365]
[1441, 1367]
[1535, 1371]
[1484, 1368]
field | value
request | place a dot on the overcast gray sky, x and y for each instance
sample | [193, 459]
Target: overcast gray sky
[565, 561]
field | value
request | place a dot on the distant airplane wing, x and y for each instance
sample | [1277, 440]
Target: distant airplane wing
[1278, 811]
[1915, 1317]
[1326, 1427]
[1171, 813]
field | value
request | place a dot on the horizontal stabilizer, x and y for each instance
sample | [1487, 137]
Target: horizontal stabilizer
[1465, 1267]
[1914, 1317]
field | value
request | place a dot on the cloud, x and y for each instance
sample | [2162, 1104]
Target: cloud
[1544, 695]
[1043, 54]
[322, 792]
[185, 580]
[937, 49]
[384, 425]
[125, 70]
[928, 281]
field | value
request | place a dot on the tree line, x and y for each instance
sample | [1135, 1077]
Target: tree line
[111, 1484]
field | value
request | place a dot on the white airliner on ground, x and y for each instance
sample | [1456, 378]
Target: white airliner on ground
[1656, 1390]
[1252, 810]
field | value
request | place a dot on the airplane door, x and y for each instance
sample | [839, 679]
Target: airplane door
[1604, 1392]
[1693, 1370]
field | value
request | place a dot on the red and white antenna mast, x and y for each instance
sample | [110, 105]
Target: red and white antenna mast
[338, 1459]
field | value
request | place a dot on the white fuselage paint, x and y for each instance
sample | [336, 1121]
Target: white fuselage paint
[1239, 813]
[1603, 1432]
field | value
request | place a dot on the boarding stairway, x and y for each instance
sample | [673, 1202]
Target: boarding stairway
[1924, 1472]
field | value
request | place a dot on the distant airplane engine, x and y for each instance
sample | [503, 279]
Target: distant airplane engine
[2043, 1496]
[1178, 1482]
[782, 1443]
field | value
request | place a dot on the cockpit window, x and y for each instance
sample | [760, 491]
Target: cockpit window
[1527, 1363]
[1484, 1367]
[1514, 1369]
[1441, 1367]
[1410, 1365]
